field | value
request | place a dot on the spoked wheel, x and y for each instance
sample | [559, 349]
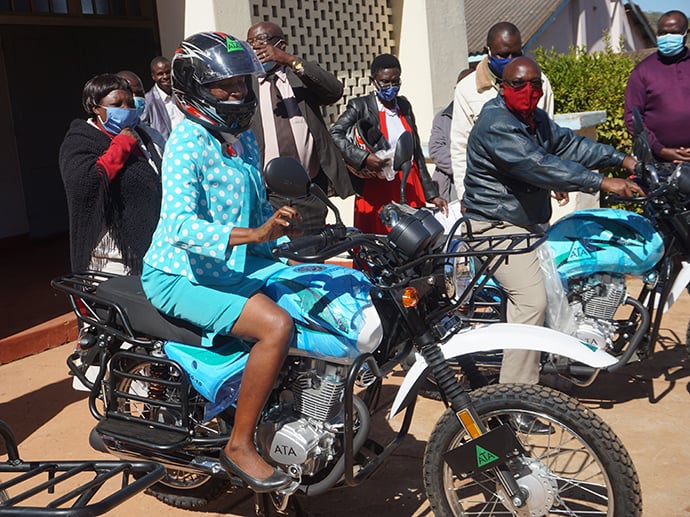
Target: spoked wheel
[575, 464]
[179, 488]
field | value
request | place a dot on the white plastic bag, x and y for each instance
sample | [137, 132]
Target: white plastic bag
[559, 315]
[387, 173]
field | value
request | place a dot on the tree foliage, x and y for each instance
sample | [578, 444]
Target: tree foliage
[591, 82]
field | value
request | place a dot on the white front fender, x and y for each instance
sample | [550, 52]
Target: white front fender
[678, 286]
[499, 336]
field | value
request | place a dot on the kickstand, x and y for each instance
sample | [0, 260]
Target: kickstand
[264, 507]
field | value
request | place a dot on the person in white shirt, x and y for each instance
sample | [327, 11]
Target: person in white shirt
[504, 43]
[161, 112]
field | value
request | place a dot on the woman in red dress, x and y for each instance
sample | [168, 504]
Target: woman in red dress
[370, 126]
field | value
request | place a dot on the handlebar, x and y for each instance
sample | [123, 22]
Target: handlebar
[639, 199]
[330, 242]
[310, 241]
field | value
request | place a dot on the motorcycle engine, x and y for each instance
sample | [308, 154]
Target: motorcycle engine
[594, 301]
[303, 428]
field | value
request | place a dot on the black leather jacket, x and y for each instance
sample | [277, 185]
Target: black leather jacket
[365, 107]
[511, 172]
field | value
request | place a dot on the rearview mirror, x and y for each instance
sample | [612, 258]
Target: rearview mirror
[286, 177]
[641, 149]
[404, 149]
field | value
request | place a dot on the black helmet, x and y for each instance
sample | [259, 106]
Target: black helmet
[205, 58]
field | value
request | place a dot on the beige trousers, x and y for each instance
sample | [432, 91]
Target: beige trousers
[522, 280]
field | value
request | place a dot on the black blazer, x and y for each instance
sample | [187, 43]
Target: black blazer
[314, 88]
[366, 108]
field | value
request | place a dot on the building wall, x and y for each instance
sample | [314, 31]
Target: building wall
[584, 23]
[344, 37]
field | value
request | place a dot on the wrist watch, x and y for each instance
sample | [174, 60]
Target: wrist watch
[297, 66]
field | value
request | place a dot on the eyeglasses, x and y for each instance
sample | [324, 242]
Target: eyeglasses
[262, 38]
[519, 84]
[387, 84]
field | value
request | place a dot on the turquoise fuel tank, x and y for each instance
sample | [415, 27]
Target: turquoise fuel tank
[604, 240]
[334, 315]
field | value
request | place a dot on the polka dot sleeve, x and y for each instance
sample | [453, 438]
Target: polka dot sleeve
[191, 198]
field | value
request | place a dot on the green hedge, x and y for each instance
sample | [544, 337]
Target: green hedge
[591, 82]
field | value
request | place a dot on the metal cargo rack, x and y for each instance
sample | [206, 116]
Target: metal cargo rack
[99, 494]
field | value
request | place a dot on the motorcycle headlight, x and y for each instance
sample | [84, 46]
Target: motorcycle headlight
[459, 270]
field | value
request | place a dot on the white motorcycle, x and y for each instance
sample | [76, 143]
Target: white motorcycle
[169, 400]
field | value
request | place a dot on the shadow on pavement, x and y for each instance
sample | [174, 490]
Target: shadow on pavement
[30, 412]
[653, 378]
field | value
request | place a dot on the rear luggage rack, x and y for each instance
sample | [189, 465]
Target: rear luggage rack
[96, 311]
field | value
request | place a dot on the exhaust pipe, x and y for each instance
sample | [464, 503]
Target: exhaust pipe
[175, 459]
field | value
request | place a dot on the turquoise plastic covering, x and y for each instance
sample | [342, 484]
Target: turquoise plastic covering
[216, 373]
[333, 312]
[334, 318]
[604, 240]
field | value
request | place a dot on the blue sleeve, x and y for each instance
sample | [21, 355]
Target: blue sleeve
[184, 198]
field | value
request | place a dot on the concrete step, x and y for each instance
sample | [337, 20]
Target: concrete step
[50, 334]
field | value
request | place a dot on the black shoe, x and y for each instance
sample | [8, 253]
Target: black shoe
[276, 481]
[528, 424]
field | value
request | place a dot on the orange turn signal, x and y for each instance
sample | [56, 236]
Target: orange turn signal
[410, 297]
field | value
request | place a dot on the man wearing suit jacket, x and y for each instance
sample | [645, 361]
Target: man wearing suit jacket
[288, 121]
[161, 112]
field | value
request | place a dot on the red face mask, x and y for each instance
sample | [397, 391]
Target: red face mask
[522, 101]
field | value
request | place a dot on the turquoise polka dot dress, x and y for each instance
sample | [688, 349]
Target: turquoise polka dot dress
[206, 193]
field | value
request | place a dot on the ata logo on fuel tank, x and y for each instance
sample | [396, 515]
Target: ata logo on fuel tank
[578, 252]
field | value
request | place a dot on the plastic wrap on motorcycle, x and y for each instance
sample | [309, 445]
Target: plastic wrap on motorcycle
[604, 239]
[215, 372]
[484, 452]
[332, 309]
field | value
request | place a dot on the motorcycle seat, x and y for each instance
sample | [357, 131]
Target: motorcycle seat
[144, 318]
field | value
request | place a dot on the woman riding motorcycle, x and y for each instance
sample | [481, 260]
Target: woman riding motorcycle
[211, 251]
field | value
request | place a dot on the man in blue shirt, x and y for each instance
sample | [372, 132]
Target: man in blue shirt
[659, 87]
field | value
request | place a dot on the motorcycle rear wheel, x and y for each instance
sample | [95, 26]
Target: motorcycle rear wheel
[582, 458]
[179, 488]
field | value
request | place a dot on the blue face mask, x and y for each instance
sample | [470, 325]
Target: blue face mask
[388, 94]
[139, 105]
[498, 64]
[116, 119]
[670, 44]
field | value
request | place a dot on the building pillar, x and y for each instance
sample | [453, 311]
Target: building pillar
[432, 48]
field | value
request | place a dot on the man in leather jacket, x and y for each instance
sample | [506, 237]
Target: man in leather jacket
[503, 44]
[516, 156]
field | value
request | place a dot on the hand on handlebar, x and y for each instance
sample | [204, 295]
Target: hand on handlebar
[282, 222]
[441, 204]
[621, 187]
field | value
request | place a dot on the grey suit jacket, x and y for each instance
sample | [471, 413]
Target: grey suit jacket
[155, 114]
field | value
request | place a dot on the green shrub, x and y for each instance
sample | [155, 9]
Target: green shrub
[591, 82]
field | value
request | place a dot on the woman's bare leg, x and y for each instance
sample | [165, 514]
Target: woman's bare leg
[263, 320]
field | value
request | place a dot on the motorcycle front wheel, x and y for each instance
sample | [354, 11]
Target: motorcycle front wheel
[577, 465]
